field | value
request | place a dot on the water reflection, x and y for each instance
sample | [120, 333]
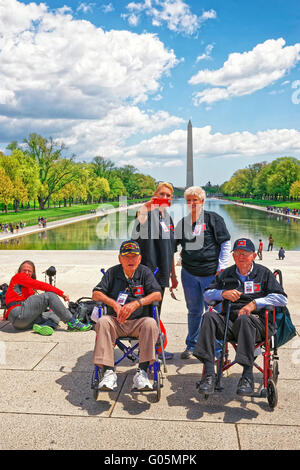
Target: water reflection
[106, 233]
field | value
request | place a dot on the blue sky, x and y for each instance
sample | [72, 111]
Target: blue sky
[122, 78]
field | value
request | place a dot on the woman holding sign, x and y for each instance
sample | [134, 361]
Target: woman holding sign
[205, 243]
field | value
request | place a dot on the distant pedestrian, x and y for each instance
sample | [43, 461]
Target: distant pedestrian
[271, 242]
[281, 253]
[260, 248]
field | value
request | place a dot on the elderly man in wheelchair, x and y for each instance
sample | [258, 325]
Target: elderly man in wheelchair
[126, 289]
[244, 288]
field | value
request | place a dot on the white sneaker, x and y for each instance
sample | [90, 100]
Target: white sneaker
[109, 381]
[141, 381]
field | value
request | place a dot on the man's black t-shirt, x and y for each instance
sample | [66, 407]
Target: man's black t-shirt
[264, 283]
[142, 283]
[156, 240]
[201, 242]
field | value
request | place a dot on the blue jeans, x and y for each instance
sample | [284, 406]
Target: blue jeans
[193, 287]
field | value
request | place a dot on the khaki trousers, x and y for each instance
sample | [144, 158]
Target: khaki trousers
[108, 329]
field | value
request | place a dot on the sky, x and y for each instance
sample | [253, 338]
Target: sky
[121, 80]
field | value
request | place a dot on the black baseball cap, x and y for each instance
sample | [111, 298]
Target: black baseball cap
[243, 244]
[129, 247]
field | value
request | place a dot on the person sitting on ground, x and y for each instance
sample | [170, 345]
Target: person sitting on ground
[258, 289]
[26, 310]
[126, 289]
[281, 253]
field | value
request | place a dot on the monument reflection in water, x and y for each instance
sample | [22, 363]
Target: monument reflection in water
[106, 233]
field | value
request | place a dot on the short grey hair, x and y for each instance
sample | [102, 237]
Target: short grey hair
[195, 191]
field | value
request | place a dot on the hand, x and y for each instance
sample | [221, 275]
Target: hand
[117, 308]
[66, 298]
[247, 309]
[232, 295]
[127, 310]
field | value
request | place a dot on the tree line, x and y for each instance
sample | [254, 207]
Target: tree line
[278, 180]
[38, 170]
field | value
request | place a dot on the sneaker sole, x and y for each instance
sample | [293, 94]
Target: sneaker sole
[43, 330]
[104, 388]
[144, 389]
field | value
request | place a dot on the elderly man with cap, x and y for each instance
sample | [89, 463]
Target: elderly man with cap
[126, 289]
[257, 289]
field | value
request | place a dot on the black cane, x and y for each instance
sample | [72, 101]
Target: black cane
[229, 284]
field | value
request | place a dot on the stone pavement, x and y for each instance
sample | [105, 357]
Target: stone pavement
[47, 403]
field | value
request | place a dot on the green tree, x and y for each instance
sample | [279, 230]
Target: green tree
[24, 175]
[55, 171]
[7, 190]
[295, 190]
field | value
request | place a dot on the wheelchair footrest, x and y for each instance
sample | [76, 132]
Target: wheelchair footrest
[147, 389]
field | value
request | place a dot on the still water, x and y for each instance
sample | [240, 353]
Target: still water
[106, 233]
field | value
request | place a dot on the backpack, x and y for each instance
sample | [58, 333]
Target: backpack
[83, 308]
[3, 289]
[285, 328]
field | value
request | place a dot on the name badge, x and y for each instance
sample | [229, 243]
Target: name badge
[164, 227]
[122, 297]
[198, 229]
[248, 287]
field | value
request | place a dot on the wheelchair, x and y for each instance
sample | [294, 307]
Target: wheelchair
[270, 367]
[131, 352]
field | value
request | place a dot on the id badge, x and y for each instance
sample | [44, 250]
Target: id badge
[164, 227]
[122, 297]
[248, 287]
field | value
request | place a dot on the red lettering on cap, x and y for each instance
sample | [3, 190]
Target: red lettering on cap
[241, 243]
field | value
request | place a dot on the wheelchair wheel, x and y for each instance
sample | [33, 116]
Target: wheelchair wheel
[272, 394]
[158, 385]
[94, 386]
[275, 371]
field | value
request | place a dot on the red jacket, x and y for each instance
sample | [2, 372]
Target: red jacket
[23, 286]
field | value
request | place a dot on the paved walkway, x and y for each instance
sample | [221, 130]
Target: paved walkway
[46, 401]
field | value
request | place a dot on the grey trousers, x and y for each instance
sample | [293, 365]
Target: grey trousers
[108, 329]
[33, 310]
[247, 330]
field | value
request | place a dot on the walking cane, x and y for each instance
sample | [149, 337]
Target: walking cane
[227, 285]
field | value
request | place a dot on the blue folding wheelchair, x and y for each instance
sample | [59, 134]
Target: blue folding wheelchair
[131, 352]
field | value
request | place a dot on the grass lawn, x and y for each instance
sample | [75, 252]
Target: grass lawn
[265, 203]
[30, 217]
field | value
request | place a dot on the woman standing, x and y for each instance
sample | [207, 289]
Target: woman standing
[154, 232]
[27, 310]
[205, 243]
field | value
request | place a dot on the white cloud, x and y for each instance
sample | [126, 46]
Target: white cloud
[245, 73]
[207, 53]
[54, 66]
[66, 78]
[176, 14]
[86, 7]
[172, 146]
[108, 8]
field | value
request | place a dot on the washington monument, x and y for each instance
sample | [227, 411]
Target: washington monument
[189, 162]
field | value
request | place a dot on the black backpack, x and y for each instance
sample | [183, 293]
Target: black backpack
[3, 289]
[83, 308]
